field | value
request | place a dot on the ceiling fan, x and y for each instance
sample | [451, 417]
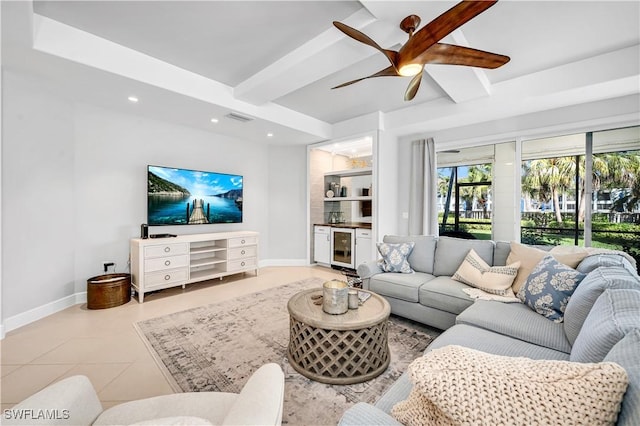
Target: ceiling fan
[423, 46]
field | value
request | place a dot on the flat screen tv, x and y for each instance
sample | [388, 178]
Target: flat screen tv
[192, 197]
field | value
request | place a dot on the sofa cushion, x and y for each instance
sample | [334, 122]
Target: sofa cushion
[615, 313]
[530, 256]
[458, 385]
[366, 414]
[492, 279]
[400, 390]
[394, 257]
[582, 300]
[445, 294]
[549, 288]
[475, 338]
[421, 258]
[450, 252]
[594, 261]
[493, 343]
[626, 353]
[501, 252]
[399, 286]
[518, 321]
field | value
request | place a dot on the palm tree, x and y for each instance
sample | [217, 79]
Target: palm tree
[613, 170]
[532, 188]
[480, 193]
[602, 168]
[625, 173]
[547, 178]
[443, 183]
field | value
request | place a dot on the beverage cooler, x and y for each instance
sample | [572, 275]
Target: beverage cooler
[343, 247]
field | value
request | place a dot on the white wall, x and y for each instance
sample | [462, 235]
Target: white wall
[74, 192]
[387, 186]
[287, 199]
[112, 152]
[506, 199]
[38, 201]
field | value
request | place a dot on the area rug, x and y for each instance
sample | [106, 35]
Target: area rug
[217, 348]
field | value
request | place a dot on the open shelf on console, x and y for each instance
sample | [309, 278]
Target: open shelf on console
[207, 246]
[203, 273]
[205, 261]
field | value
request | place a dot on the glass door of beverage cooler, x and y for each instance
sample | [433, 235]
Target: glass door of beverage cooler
[342, 247]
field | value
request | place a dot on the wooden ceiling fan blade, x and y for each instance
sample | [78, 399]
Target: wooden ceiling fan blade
[387, 72]
[440, 27]
[413, 87]
[449, 54]
[392, 55]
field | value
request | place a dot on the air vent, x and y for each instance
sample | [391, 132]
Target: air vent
[238, 117]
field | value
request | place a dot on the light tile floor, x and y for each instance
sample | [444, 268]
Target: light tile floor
[103, 345]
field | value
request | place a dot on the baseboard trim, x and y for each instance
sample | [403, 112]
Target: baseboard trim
[40, 312]
[43, 311]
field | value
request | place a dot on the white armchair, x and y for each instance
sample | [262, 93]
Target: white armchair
[73, 401]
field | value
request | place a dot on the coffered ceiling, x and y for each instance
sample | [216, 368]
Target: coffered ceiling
[276, 61]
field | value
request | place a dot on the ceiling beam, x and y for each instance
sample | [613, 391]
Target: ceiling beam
[70, 43]
[326, 54]
[460, 83]
[576, 83]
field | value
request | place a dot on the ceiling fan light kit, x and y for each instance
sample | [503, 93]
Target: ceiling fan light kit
[424, 47]
[410, 70]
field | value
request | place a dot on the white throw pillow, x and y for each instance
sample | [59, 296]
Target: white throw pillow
[493, 279]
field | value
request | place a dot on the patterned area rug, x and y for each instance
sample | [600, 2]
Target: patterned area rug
[217, 347]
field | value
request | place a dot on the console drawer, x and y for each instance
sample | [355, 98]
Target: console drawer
[167, 262]
[162, 250]
[166, 277]
[242, 241]
[242, 252]
[241, 264]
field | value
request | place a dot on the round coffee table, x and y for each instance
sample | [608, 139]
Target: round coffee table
[338, 349]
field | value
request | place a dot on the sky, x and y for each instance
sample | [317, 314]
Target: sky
[199, 183]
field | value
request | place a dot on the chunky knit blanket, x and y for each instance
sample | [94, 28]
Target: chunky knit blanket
[454, 385]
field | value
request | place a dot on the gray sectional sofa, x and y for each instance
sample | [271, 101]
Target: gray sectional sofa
[601, 320]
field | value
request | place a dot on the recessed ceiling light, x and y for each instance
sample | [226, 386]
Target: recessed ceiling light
[214, 120]
[132, 99]
[269, 135]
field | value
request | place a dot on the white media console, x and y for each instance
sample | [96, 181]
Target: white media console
[159, 263]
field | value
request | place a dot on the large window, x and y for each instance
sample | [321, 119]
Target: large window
[464, 193]
[583, 189]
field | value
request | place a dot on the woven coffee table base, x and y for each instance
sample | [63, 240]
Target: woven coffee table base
[338, 356]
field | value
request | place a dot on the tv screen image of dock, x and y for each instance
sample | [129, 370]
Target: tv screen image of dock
[191, 197]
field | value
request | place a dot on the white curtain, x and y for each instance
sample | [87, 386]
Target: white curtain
[423, 189]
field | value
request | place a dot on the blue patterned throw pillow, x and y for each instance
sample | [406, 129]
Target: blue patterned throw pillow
[394, 257]
[549, 288]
